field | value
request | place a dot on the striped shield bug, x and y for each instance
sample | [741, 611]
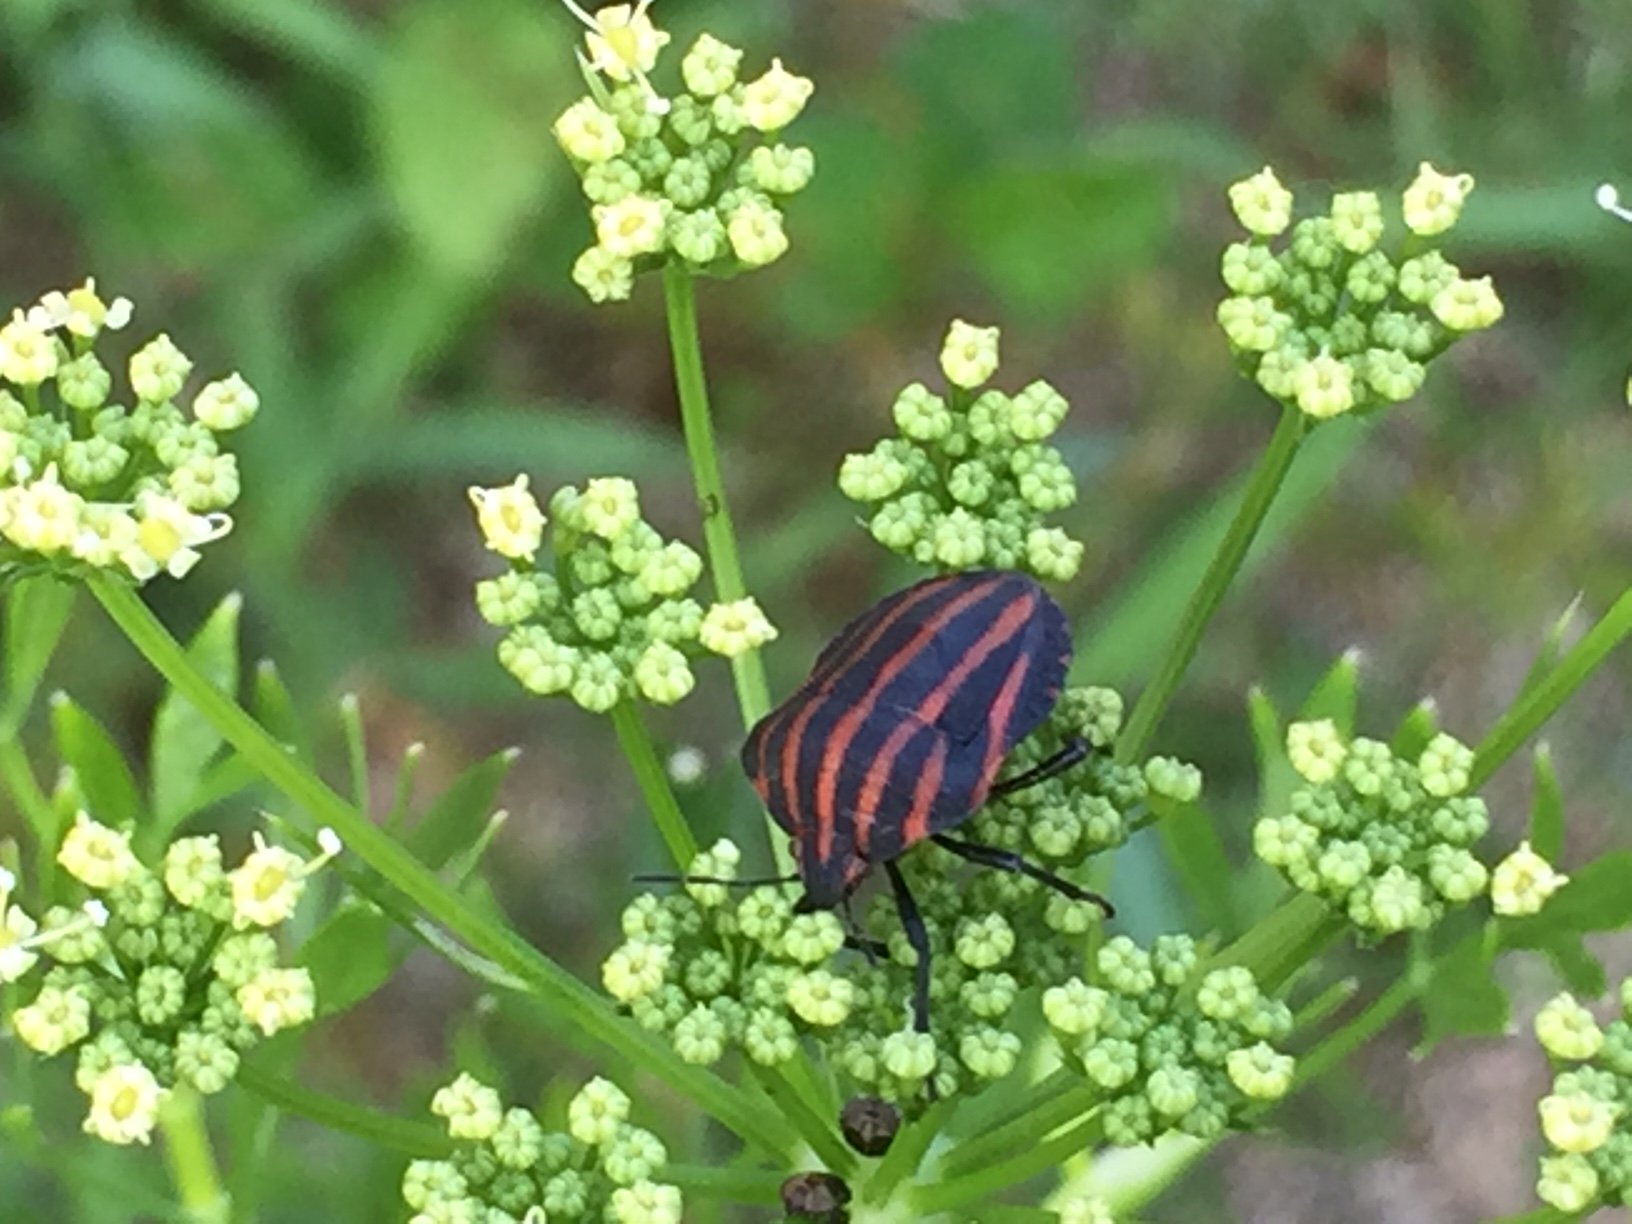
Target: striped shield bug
[900, 731]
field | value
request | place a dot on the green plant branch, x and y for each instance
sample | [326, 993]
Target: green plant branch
[1542, 700]
[1378, 1015]
[641, 754]
[1048, 1109]
[191, 1162]
[720, 537]
[958, 1192]
[418, 1139]
[1266, 482]
[905, 1154]
[573, 1007]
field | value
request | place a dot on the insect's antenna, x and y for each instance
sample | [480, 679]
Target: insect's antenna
[756, 882]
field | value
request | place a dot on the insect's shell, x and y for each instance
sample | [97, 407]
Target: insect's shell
[905, 720]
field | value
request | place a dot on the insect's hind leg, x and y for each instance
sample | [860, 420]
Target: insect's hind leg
[918, 936]
[1074, 753]
[1008, 860]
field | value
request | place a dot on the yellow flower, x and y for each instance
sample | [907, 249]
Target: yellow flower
[28, 353]
[276, 999]
[96, 855]
[1261, 204]
[267, 885]
[43, 516]
[731, 629]
[969, 354]
[623, 42]
[1324, 387]
[588, 133]
[168, 535]
[1433, 201]
[125, 1104]
[633, 226]
[511, 522]
[775, 99]
[81, 311]
[1522, 882]
[1576, 1122]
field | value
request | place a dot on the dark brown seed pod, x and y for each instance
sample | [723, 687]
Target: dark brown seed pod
[816, 1198]
[869, 1124]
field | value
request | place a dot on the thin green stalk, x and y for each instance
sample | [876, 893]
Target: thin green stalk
[190, 1160]
[958, 1192]
[419, 1139]
[1357, 1032]
[759, 1187]
[574, 1007]
[906, 1153]
[637, 746]
[1232, 551]
[1541, 702]
[680, 301]
[1020, 1132]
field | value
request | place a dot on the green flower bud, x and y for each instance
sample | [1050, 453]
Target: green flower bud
[697, 237]
[1048, 486]
[700, 1037]
[762, 915]
[1251, 269]
[1445, 766]
[688, 182]
[984, 943]
[908, 1055]
[1455, 874]
[1422, 278]
[1343, 864]
[1261, 204]
[989, 1053]
[58, 1017]
[1174, 959]
[872, 476]
[84, 383]
[1227, 995]
[1037, 412]
[597, 1112]
[1173, 1091]
[635, 969]
[1357, 220]
[1253, 324]
[781, 170]
[205, 1060]
[820, 998]
[161, 992]
[1316, 749]
[813, 938]
[566, 1195]
[1577, 1121]
[633, 1155]
[603, 276]
[769, 1038]
[1392, 902]
[1370, 279]
[755, 232]
[471, 1109]
[1283, 840]
[1567, 1030]
[1126, 967]
[957, 540]
[663, 675]
[508, 599]
[1323, 387]
[1173, 779]
[631, 105]
[690, 120]
[598, 683]
[1052, 555]
[1568, 1182]
[158, 370]
[645, 1202]
[427, 1182]
[1260, 1072]
[710, 67]
[1074, 1008]
[1433, 201]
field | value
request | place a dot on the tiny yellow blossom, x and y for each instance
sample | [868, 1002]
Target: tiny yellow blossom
[81, 311]
[97, 856]
[105, 534]
[228, 403]
[267, 885]
[623, 42]
[511, 522]
[168, 536]
[43, 516]
[588, 133]
[635, 225]
[1324, 387]
[1316, 750]
[125, 1104]
[1522, 882]
[1261, 204]
[276, 999]
[28, 354]
[1576, 1121]
[1433, 201]
[969, 354]
[731, 629]
[1467, 305]
[774, 100]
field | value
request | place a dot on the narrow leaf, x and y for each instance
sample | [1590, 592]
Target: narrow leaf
[1191, 842]
[1546, 808]
[350, 957]
[460, 813]
[1416, 729]
[1552, 648]
[184, 742]
[1336, 695]
[274, 709]
[103, 776]
[1275, 776]
[1463, 998]
[36, 613]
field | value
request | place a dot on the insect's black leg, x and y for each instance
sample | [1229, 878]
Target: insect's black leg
[1073, 753]
[1008, 860]
[918, 936]
[855, 937]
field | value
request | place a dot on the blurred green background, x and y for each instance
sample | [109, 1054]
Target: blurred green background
[358, 204]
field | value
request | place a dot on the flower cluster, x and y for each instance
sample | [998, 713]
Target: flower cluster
[971, 477]
[1089, 808]
[702, 174]
[715, 970]
[1331, 323]
[89, 484]
[1171, 1052]
[613, 617]
[1388, 841]
[166, 977]
[507, 1169]
[1583, 1117]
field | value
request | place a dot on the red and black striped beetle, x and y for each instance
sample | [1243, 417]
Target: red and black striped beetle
[901, 729]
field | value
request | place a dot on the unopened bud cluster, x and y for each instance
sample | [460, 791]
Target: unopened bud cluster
[1331, 322]
[1388, 841]
[165, 978]
[507, 1168]
[1585, 1116]
[612, 617]
[970, 477]
[1171, 1049]
[700, 176]
[91, 480]
[1092, 806]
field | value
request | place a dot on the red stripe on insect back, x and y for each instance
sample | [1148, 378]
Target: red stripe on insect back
[1009, 622]
[998, 721]
[916, 827]
[844, 730]
[792, 744]
[846, 654]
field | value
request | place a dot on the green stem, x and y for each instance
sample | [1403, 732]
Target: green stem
[188, 1155]
[906, 1153]
[637, 746]
[574, 1007]
[1232, 551]
[1054, 1110]
[419, 1139]
[959, 1192]
[1542, 701]
[760, 1187]
[1357, 1032]
[680, 301]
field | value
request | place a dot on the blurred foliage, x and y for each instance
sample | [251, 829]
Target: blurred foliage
[360, 206]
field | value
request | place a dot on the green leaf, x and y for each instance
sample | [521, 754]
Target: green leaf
[184, 742]
[1420, 725]
[1191, 842]
[1276, 778]
[1546, 807]
[1581, 971]
[36, 613]
[274, 709]
[1552, 648]
[462, 107]
[317, 34]
[1463, 998]
[1335, 696]
[350, 957]
[1597, 898]
[459, 815]
[103, 775]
